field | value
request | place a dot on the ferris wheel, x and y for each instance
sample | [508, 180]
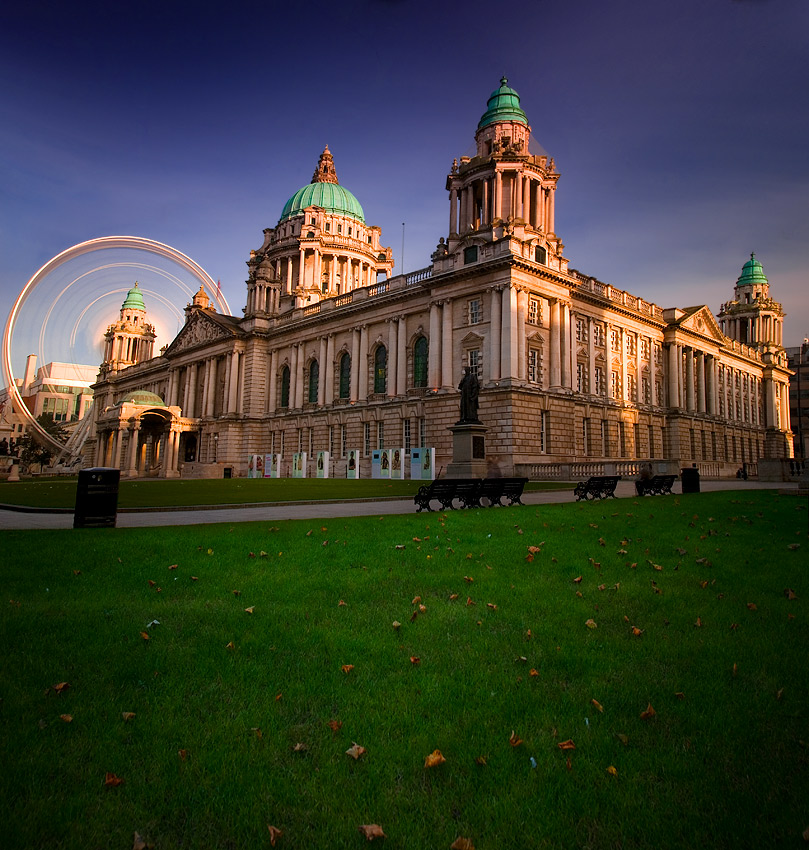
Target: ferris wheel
[62, 312]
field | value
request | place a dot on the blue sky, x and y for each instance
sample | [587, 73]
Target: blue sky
[680, 129]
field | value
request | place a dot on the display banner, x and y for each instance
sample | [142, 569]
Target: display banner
[255, 466]
[299, 465]
[353, 464]
[397, 463]
[322, 464]
[275, 466]
[422, 463]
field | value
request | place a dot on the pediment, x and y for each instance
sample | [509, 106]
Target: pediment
[201, 329]
[701, 320]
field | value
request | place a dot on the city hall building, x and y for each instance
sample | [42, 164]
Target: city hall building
[335, 353]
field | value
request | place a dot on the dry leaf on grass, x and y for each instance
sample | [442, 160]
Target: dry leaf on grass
[515, 740]
[371, 831]
[275, 834]
[112, 781]
[648, 713]
[128, 715]
[66, 718]
[591, 623]
[434, 759]
[347, 668]
[566, 745]
[597, 705]
[355, 751]
[462, 843]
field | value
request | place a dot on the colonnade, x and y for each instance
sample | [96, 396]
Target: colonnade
[505, 193]
[128, 349]
[751, 330]
[141, 455]
[353, 272]
[194, 387]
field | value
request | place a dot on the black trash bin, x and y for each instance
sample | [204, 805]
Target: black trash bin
[690, 479]
[96, 498]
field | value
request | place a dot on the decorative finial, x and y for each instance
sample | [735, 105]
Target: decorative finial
[504, 80]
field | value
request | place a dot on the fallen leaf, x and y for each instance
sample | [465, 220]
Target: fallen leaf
[61, 686]
[151, 583]
[396, 624]
[469, 601]
[341, 604]
[491, 605]
[230, 645]
[112, 781]
[794, 546]
[250, 609]
[461, 843]
[275, 834]
[335, 725]
[779, 693]
[597, 705]
[300, 747]
[591, 623]
[138, 843]
[612, 771]
[183, 754]
[566, 745]
[434, 759]
[790, 594]
[416, 600]
[533, 672]
[347, 668]
[194, 578]
[752, 606]
[515, 740]
[145, 635]
[622, 738]
[648, 712]
[735, 668]
[468, 579]
[680, 695]
[355, 751]
[453, 597]
[236, 592]
[371, 831]
[534, 549]
[577, 580]
[414, 659]
[259, 733]
[698, 623]
[422, 609]
[128, 715]
[636, 631]
[481, 760]
[173, 567]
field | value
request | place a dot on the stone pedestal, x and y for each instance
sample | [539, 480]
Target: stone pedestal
[468, 450]
[14, 472]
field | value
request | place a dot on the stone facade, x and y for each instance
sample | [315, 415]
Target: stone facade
[333, 353]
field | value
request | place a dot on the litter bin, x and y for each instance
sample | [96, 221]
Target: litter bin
[690, 479]
[96, 498]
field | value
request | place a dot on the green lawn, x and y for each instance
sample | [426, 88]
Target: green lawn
[714, 585]
[61, 492]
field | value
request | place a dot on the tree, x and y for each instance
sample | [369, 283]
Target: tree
[32, 450]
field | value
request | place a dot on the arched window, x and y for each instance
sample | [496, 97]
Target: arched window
[420, 354]
[285, 387]
[345, 375]
[380, 369]
[314, 377]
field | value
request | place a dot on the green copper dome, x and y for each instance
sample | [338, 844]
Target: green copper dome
[503, 105]
[134, 299]
[143, 397]
[324, 191]
[752, 273]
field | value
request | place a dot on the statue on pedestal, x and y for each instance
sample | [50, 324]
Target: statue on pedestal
[470, 389]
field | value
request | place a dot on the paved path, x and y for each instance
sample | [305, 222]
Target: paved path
[272, 512]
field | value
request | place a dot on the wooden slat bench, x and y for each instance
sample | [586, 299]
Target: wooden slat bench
[597, 487]
[657, 485]
[469, 492]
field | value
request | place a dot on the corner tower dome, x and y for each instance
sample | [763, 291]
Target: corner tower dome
[503, 105]
[134, 299]
[324, 191]
[752, 273]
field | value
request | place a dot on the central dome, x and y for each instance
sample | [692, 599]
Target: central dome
[324, 191]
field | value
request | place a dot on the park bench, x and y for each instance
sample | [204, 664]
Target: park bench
[657, 485]
[497, 489]
[469, 492]
[597, 487]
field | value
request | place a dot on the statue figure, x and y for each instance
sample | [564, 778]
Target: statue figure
[470, 389]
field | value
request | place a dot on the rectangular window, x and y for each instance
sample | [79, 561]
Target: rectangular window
[585, 434]
[406, 435]
[644, 348]
[622, 439]
[692, 443]
[300, 439]
[581, 377]
[598, 335]
[475, 362]
[713, 445]
[703, 445]
[331, 440]
[651, 440]
[599, 381]
[423, 433]
[475, 312]
[631, 350]
[311, 441]
[581, 330]
[658, 391]
[380, 435]
[603, 437]
[470, 254]
[647, 395]
[636, 437]
[631, 388]
[283, 442]
[615, 340]
[533, 366]
[544, 431]
[615, 384]
[343, 440]
[366, 448]
[533, 311]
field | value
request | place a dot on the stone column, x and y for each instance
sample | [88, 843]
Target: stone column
[273, 381]
[498, 194]
[434, 348]
[192, 392]
[401, 357]
[446, 344]
[132, 462]
[522, 356]
[552, 210]
[701, 382]
[453, 210]
[652, 374]
[393, 357]
[639, 373]
[321, 364]
[293, 375]
[690, 402]
[302, 267]
[710, 385]
[674, 396]
[591, 357]
[485, 200]
[555, 337]
[494, 342]
[316, 271]
[299, 375]
[355, 365]
[328, 389]
[362, 366]
[233, 387]
[772, 409]
[211, 386]
[288, 281]
[566, 344]
[508, 336]
[518, 210]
